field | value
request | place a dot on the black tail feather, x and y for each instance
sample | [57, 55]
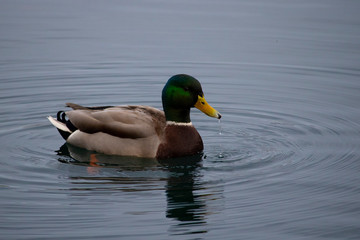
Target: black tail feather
[61, 117]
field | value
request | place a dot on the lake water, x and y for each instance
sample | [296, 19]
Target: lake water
[285, 75]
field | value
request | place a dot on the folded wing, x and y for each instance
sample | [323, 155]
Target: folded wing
[123, 121]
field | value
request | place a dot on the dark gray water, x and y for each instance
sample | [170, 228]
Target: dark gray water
[284, 74]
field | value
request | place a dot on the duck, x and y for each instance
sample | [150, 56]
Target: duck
[139, 130]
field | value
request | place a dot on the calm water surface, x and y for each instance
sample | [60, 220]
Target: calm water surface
[284, 74]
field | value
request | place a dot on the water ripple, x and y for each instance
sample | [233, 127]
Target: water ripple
[279, 139]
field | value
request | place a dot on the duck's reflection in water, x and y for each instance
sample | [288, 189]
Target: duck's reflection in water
[182, 179]
[182, 202]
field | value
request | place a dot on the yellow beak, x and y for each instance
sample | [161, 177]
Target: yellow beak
[203, 106]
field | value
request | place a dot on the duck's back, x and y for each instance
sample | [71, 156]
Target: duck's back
[122, 130]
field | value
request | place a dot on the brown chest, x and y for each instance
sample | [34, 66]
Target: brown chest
[178, 141]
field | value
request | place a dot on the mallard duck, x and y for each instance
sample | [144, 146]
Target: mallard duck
[140, 131]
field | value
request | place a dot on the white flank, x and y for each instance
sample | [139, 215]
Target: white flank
[178, 123]
[59, 125]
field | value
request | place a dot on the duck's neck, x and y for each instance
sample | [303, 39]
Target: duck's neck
[177, 115]
[171, 123]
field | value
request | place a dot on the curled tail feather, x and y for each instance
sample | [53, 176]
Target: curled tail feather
[65, 127]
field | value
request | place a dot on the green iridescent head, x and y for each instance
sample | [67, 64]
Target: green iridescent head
[180, 94]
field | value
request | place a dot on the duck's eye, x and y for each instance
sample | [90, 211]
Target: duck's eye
[186, 89]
